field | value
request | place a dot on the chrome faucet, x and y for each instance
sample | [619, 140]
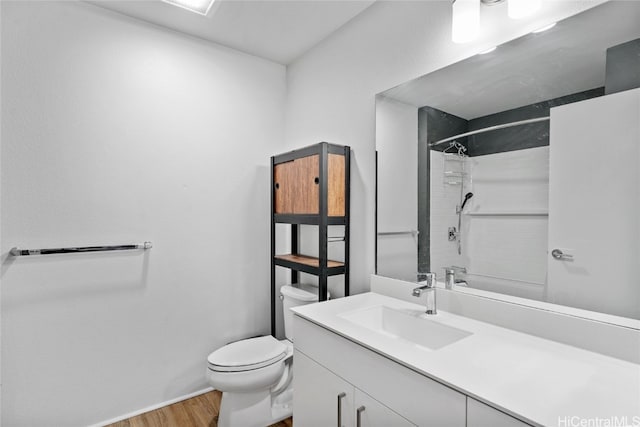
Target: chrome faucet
[429, 280]
[450, 275]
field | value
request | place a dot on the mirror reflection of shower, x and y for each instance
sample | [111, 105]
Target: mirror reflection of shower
[459, 209]
[459, 152]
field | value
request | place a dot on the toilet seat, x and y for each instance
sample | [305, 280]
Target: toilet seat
[247, 355]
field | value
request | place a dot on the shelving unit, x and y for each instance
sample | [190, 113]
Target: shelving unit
[454, 169]
[310, 186]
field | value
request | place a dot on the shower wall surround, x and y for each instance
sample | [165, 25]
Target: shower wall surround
[623, 63]
[519, 137]
[508, 247]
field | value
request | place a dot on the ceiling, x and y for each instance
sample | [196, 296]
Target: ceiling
[566, 59]
[278, 30]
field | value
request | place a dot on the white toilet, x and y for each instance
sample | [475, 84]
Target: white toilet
[254, 375]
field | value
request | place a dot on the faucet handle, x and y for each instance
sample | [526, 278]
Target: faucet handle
[430, 278]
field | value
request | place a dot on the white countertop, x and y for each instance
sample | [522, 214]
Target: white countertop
[534, 379]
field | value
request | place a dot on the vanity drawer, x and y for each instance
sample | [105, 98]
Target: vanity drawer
[419, 399]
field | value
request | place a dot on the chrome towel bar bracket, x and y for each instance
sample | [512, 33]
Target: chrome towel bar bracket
[82, 249]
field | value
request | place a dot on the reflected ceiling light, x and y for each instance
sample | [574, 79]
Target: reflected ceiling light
[491, 49]
[518, 9]
[201, 7]
[545, 28]
[465, 23]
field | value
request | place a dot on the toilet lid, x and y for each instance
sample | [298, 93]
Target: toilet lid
[252, 353]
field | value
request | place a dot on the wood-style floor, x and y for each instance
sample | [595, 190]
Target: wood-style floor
[199, 411]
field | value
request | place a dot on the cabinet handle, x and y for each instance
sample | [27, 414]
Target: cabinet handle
[359, 412]
[340, 396]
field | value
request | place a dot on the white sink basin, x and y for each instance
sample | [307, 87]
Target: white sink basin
[406, 325]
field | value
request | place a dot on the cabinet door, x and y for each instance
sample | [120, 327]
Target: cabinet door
[283, 188]
[320, 398]
[481, 415]
[371, 413]
[306, 185]
[297, 186]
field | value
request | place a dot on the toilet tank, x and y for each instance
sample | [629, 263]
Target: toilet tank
[293, 296]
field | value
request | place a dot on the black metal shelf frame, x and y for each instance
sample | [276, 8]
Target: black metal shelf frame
[307, 219]
[296, 266]
[322, 220]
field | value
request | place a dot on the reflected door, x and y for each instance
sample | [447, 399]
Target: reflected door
[594, 205]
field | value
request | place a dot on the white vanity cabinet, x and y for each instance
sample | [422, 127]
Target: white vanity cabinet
[491, 377]
[338, 382]
[323, 399]
[326, 364]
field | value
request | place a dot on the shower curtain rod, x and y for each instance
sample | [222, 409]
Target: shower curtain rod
[489, 129]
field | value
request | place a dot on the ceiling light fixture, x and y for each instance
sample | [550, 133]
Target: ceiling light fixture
[545, 28]
[518, 9]
[465, 23]
[200, 7]
[465, 18]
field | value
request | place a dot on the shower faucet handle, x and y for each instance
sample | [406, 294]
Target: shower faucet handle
[452, 234]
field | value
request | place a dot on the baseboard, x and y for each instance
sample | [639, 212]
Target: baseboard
[152, 407]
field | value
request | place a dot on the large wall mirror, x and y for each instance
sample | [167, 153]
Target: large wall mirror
[520, 167]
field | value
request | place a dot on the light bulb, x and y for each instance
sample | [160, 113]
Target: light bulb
[518, 9]
[465, 23]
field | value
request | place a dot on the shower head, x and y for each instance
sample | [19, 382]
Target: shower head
[466, 199]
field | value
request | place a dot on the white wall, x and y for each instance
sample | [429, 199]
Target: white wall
[116, 131]
[397, 145]
[331, 89]
[1, 120]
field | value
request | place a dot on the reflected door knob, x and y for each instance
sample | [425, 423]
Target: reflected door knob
[558, 254]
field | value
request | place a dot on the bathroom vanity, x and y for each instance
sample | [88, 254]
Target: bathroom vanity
[373, 360]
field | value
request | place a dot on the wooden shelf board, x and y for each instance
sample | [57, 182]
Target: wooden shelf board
[308, 260]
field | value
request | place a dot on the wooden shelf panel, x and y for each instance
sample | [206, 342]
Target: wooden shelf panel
[308, 260]
[307, 219]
